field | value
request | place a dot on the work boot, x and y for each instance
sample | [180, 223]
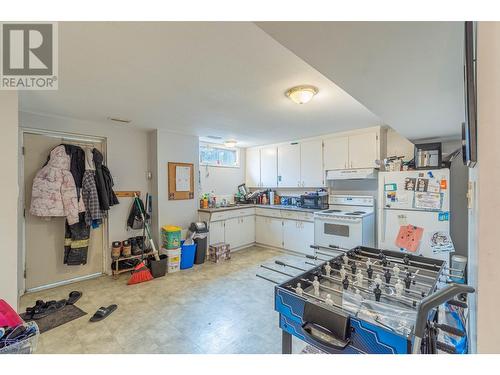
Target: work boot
[126, 249]
[116, 250]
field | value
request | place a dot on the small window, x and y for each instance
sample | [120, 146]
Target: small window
[219, 156]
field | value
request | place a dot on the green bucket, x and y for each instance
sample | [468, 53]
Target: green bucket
[171, 236]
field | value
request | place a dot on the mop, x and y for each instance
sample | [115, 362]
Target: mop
[141, 273]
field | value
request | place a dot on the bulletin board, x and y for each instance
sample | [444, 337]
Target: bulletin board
[180, 181]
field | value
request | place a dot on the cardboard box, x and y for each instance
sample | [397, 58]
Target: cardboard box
[219, 252]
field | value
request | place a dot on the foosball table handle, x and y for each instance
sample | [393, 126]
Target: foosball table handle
[334, 342]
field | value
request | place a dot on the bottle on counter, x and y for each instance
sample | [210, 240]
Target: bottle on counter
[271, 197]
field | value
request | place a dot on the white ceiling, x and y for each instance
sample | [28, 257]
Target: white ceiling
[223, 79]
[408, 73]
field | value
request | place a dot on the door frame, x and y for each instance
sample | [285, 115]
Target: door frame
[73, 137]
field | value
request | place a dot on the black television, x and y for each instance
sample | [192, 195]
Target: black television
[469, 127]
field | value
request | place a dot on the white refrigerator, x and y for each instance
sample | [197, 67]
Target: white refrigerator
[413, 212]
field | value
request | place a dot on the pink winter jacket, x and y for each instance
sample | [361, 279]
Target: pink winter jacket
[54, 189]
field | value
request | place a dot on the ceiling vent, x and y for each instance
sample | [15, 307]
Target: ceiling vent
[119, 120]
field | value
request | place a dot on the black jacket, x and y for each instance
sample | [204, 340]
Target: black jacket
[77, 167]
[104, 183]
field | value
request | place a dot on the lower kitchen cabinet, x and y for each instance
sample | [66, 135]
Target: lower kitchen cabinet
[237, 231]
[269, 231]
[216, 232]
[298, 236]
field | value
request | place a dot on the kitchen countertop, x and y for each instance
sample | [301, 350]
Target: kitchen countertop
[269, 206]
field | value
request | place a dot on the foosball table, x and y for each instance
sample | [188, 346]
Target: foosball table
[366, 300]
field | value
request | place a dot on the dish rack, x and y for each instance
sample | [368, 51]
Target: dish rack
[25, 346]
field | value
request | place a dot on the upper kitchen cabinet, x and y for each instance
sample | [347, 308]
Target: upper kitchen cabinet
[336, 153]
[289, 165]
[363, 150]
[311, 163]
[356, 150]
[268, 166]
[261, 166]
[252, 167]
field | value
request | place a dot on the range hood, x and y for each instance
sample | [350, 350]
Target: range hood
[352, 174]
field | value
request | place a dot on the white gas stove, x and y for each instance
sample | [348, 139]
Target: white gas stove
[348, 222]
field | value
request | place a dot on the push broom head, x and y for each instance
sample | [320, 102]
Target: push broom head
[140, 274]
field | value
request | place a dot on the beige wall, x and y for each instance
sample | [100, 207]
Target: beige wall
[173, 147]
[488, 251]
[10, 193]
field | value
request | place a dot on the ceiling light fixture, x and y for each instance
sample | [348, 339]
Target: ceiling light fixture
[230, 143]
[301, 94]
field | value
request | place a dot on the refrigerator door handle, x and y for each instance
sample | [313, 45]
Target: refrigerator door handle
[382, 226]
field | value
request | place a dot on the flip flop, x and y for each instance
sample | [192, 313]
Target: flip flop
[103, 313]
[73, 297]
[49, 308]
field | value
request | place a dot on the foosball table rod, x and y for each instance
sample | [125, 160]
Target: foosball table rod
[402, 299]
[399, 298]
[351, 253]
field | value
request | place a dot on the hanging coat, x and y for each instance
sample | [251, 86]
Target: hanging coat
[54, 189]
[77, 165]
[104, 182]
[89, 191]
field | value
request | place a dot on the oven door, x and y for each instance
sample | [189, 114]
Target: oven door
[338, 231]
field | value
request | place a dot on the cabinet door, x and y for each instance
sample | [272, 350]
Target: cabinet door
[216, 232]
[289, 165]
[252, 167]
[261, 229]
[363, 150]
[233, 232]
[268, 166]
[298, 236]
[336, 153]
[248, 229]
[307, 230]
[269, 231]
[311, 163]
[275, 228]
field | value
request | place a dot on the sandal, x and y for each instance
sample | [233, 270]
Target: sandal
[41, 311]
[103, 313]
[73, 297]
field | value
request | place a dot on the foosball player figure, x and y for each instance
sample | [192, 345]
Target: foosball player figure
[359, 278]
[378, 293]
[329, 300]
[369, 271]
[395, 271]
[328, 269]
[406, 259]
[315, 284]
[343, 273]
[353, 268]
[399, 287]
[369, 263]
[387, 275]
[378, 280]
[345, 258]
[407, 281]
[299, 289]
[345, 282]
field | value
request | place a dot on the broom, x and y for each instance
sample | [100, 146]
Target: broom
[141, 273]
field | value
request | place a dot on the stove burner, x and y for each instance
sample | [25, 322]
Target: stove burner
[359, 212]
[352, 213]
[331, 211]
